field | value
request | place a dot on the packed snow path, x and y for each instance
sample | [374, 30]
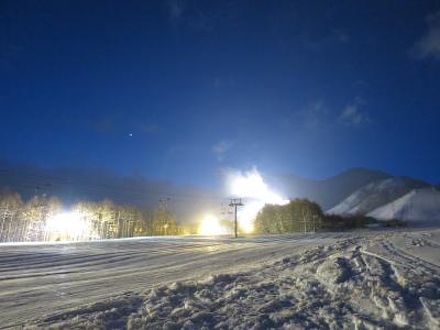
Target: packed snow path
[363, 280]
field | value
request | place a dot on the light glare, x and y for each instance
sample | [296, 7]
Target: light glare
[67, 226]
[211, 226]
[251, 185]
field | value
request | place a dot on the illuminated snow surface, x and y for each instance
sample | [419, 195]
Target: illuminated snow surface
[327, 281]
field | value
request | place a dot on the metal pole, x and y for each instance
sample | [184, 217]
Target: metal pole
[235, 202]
[236, 223]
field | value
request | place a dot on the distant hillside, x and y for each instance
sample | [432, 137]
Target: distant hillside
[328, 192]
[367, 189]
[376, 194]
[72, 185]
[418, 207]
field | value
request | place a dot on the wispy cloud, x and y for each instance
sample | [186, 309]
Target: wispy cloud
[353, 114]
[315, 115]
[175, 9]
[429, 45]
[318, 116]
[221, 148]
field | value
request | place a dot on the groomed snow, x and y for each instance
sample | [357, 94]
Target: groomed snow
[352, 280]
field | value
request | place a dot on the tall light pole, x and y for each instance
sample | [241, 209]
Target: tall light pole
[235, 203]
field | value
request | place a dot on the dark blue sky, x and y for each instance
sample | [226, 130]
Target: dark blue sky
[178, 90]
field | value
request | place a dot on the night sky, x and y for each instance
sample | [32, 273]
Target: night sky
[179, 90]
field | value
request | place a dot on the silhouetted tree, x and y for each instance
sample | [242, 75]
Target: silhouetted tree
[297, 215]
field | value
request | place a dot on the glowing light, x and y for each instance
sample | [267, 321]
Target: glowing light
[67, 226]
[211, 226]
[247, 215]
[250, 185]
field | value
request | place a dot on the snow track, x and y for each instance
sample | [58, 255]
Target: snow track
[328, 281]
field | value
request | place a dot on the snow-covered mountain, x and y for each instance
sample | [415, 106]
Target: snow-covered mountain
[376, 194]
[357, 190]
[418, 207]
[327, 192]
[97, 184]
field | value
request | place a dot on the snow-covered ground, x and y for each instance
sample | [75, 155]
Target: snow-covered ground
[345, 280]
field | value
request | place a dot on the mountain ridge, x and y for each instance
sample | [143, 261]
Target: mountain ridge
[376, 194]
[330, 191]
[72, 185]
[418, 207]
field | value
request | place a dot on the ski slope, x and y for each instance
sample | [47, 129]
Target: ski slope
[376, 194]
[330, 280]
[419, 207]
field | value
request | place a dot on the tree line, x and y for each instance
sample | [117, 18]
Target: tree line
[302, 215]
[28, 220]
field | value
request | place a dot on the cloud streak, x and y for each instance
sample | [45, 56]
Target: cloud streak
[429, 45]
[353, 115]
[175, 9]
[317, 116]
[221, 148]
